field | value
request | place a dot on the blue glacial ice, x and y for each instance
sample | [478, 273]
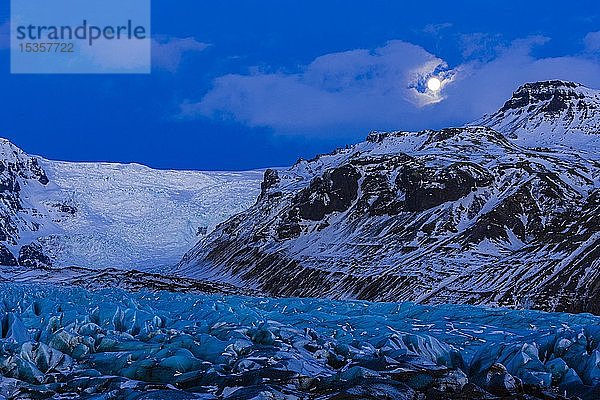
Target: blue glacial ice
[65, 343]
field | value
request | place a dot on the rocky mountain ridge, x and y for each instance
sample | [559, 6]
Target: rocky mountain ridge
[552, 114]
[462, 215]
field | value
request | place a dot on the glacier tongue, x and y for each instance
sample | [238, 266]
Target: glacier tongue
[131, 216]
[66, 342]
[101, 215]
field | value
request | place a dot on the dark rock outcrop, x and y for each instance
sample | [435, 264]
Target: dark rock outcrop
[270, 180]
[429, 187]
[32, 256]
[559, 93]
[334, 191]
[6, 257]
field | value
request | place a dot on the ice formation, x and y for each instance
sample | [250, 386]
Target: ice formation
[65, 343]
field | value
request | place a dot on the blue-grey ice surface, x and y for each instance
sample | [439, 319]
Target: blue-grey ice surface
[63, 343]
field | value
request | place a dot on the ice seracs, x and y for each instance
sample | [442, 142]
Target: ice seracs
[71, 343]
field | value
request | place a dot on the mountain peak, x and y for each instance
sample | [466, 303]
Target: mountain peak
[550, 114]
[559, 93]
[15, 163]
[549, 85]
[9, 151]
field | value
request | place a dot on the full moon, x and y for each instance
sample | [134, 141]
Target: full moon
[434, 84]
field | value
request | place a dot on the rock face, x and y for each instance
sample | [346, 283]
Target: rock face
[32, 256]
[461, 215]
[6, 257]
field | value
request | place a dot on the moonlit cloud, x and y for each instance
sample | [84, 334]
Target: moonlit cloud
[383, 89]
[338, 90]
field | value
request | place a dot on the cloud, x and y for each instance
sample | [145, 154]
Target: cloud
[338, 90]
[116, 56]
[435, 29]
[161, 52]
[168, 52]
[362, 89]
[482, 87]
[592, 42]
[479, 45]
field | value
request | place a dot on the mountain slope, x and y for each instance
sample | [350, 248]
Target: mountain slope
[462, 215]
[101, 215]
[20, 175]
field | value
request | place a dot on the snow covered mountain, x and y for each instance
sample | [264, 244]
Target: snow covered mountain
[504, 212]
[100, 215]
[551, 114]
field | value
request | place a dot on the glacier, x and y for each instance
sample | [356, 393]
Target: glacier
[109, 215]
[132, 216]
[62, 343]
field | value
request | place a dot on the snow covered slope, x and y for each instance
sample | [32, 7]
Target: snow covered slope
[101, 215]
[461, 215]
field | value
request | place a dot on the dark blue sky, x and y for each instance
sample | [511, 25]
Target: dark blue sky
[262, 94]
